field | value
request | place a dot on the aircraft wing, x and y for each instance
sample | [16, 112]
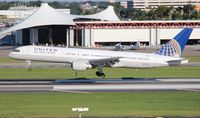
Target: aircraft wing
[104, 61]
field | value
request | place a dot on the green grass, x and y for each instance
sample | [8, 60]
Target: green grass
[26, 105]
[193, 58]
[58, 73]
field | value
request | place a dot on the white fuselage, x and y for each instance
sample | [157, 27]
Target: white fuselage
[69, 55]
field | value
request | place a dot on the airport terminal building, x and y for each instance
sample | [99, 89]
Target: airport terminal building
[103, 28]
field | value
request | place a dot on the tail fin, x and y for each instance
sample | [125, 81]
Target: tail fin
[175, 46]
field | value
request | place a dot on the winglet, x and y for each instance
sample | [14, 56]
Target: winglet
[176, 45]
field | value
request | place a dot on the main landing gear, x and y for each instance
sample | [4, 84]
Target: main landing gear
[100, 73]
[29, 65]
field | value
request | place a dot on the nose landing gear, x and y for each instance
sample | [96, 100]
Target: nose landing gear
[29, 65]
[29, 69]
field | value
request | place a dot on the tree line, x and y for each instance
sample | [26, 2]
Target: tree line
[187, 12]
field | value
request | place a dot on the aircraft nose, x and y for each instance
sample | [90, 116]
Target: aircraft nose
[11, 55]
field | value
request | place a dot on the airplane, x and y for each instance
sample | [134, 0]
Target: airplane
[120, 47]
[135, 46]
[83, 59]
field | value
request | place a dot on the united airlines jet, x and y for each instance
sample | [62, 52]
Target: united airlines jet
[82, 59]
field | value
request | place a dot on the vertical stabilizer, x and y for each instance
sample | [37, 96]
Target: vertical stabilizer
[176, 45]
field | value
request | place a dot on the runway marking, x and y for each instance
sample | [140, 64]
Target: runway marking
[192, 90]
[22, 86]
[179, 80]
[133, 85]
[72, 91]
[126, 87]
[26, 88]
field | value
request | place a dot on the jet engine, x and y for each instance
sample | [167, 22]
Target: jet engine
[80, 65]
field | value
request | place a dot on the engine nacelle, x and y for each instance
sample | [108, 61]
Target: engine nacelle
[80, 65]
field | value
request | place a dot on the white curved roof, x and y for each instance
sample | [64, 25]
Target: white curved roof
[45, 15]
[108, 15]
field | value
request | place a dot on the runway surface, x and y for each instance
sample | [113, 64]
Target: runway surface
[100, 85]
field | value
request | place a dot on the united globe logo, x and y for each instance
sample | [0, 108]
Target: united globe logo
[172, 48]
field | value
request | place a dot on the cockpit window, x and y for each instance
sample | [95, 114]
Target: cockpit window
[16, 50]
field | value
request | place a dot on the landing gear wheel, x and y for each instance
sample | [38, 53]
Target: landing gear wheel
[103, 75]
[29, 65]
[29, 69]
[100, 74]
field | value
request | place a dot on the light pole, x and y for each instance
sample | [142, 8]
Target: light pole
[80, 110]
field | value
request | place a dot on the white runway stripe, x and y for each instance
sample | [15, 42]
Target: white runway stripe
[126, 87]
